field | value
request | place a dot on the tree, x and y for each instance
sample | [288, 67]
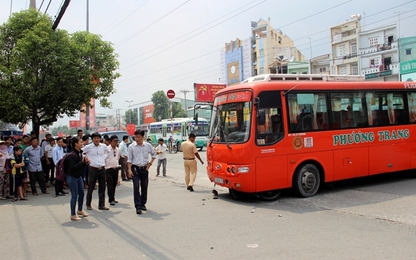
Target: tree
[178, 110]
[45, 73]
[161, 105]
[131, 117]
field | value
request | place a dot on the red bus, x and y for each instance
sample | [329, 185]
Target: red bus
[273, 134]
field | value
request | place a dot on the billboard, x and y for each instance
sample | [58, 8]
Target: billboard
[74, 124]
[206, 92]
[147, 114]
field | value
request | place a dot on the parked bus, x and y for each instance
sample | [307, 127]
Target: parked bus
[266, 136]
[182, 127]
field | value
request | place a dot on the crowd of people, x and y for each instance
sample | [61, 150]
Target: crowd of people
[87, 160]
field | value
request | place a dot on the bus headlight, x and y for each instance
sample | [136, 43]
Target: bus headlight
[243, 169]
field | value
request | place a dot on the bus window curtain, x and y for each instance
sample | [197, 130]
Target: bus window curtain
[369, 99]
[390, 108]
[315, 107]
[293, 110]
[412, 107]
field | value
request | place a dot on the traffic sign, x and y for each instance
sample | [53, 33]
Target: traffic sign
[170, 93]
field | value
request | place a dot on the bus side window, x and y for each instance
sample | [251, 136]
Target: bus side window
[411, 101]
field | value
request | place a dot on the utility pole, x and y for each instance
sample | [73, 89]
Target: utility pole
[87, 107]
[184, 91]
[129, 101]
[32, 4]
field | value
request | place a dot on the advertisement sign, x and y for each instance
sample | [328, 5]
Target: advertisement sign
[206, 92]
[130, 129]
[74, 123]
[148, 114]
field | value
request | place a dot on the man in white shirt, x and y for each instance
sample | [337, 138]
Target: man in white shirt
[138, 168]
[57, 154]
[161, 157]
[96, 153]
[124, 153]
[111, 169]
[50, 165]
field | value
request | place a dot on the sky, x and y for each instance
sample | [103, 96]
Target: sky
[164, 45]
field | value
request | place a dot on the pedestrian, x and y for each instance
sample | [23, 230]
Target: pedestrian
[75, 163]
[17, 171]
[111, 169]
[34, 154]
[96, 153]
[58, 154]
[138, 168]
[161, 149]
[44, 159]
[189, 152]
[50, 165]
[4, 175]
[80, 133]
[85, 141]
[124, 153]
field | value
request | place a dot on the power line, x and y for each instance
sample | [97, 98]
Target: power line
[158, 20]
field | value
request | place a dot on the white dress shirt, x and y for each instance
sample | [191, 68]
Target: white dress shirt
[96, 154]
[139, 154]
[112, 158]
[161, 151]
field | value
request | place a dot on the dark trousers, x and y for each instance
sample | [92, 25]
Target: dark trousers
[140, 183]
[50, 168]
[123, 163]
[37, 176]
[93, 176]
[112, 179]
[59, 186]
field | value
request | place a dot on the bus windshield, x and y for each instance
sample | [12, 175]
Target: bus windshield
[230, 123]
[201, 129]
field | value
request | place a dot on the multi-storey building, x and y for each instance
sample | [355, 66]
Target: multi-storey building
[407, 52]
[344, 40]
[379, 54]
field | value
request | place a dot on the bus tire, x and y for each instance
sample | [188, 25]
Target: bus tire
[236, 195]
[270, 195]
[307, 180]
[201, 148]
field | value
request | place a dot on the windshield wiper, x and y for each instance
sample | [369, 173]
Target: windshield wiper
[225, 137]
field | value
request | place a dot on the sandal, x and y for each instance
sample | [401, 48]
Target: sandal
[14, 199]
[23, 198]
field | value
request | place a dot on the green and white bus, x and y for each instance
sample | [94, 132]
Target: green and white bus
[182, 127]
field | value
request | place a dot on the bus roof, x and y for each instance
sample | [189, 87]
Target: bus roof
[303, 77]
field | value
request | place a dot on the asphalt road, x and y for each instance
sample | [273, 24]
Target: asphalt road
[371, 218]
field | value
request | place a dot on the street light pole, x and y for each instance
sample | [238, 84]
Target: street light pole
[184, 91]
[129, 101]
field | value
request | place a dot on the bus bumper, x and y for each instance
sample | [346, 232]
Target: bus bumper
[237, 177]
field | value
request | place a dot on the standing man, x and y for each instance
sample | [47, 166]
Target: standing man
[96, 153]
[80, 133]
[50, 165]
[124, 153]
[57, 154]
[111, 169]
[161, 157]
[189, 153]
[138, 165]
[44, 159]
[34, 153]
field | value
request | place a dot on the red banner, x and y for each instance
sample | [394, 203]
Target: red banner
[206, 92]
[74, 124]
[130, 129]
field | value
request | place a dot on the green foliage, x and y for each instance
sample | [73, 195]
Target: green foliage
[161, 105]
[178, 110]
[131, 117]
[45, 74]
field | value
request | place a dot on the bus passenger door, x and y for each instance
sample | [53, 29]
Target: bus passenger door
[349, 163]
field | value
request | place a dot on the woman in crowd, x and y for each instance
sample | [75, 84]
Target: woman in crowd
[74, 166]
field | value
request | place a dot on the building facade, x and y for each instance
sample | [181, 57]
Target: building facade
[344, 46]
[379, 54]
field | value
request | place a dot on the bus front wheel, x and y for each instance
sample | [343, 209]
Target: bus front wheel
[234, 194]
[269, 195]
[307, 180]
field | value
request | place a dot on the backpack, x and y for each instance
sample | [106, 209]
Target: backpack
[60, 168]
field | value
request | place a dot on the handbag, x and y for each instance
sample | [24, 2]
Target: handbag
[8, 166]
[24, 175]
